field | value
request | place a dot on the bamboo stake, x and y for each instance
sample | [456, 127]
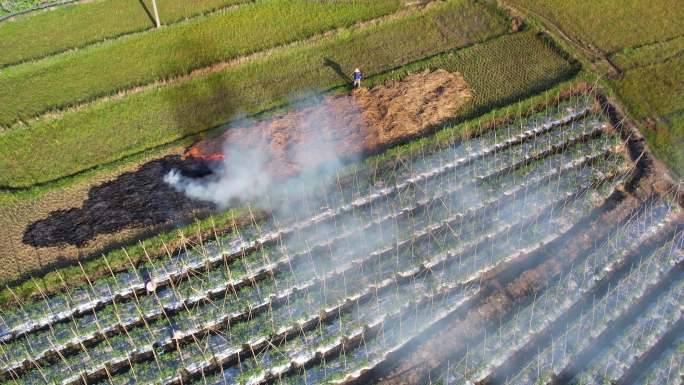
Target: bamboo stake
[216, 237]
[66, 289]
[38, 367]
[156, 14]
[130, 365]
[130, 261]
[42, 294]
[92, 289]
[16, 298]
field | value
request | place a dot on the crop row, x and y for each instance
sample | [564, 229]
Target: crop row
[594, 320]
[486, 262]
[570, 288]
[132, 284]
[270, 303]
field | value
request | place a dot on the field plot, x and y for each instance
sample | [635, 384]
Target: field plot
[638, 45]
[64, 80]
[654, 94]
[212, 202]
[177, 110]
[344, 275]
[597, 23]
[72, 27]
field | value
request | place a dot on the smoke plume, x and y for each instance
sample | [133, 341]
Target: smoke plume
[300, 149]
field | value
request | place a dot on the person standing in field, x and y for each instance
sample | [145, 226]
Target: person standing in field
[357, 78]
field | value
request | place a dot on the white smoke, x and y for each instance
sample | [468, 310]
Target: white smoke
[247, 171]
[243, 176]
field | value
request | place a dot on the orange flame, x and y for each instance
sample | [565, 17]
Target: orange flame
[196, 153]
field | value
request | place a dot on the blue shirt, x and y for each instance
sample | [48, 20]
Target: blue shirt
[357, 75]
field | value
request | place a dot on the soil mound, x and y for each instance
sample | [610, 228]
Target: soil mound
[344, 126]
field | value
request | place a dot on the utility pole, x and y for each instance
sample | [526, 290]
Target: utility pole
[156, 13]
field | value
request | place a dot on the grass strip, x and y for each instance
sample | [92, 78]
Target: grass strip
[650, 54]
[654, 96]
[613, 25]
[65, 80]
[76, 26]
[48, 150]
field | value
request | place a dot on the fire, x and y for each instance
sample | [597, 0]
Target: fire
[197, 153]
